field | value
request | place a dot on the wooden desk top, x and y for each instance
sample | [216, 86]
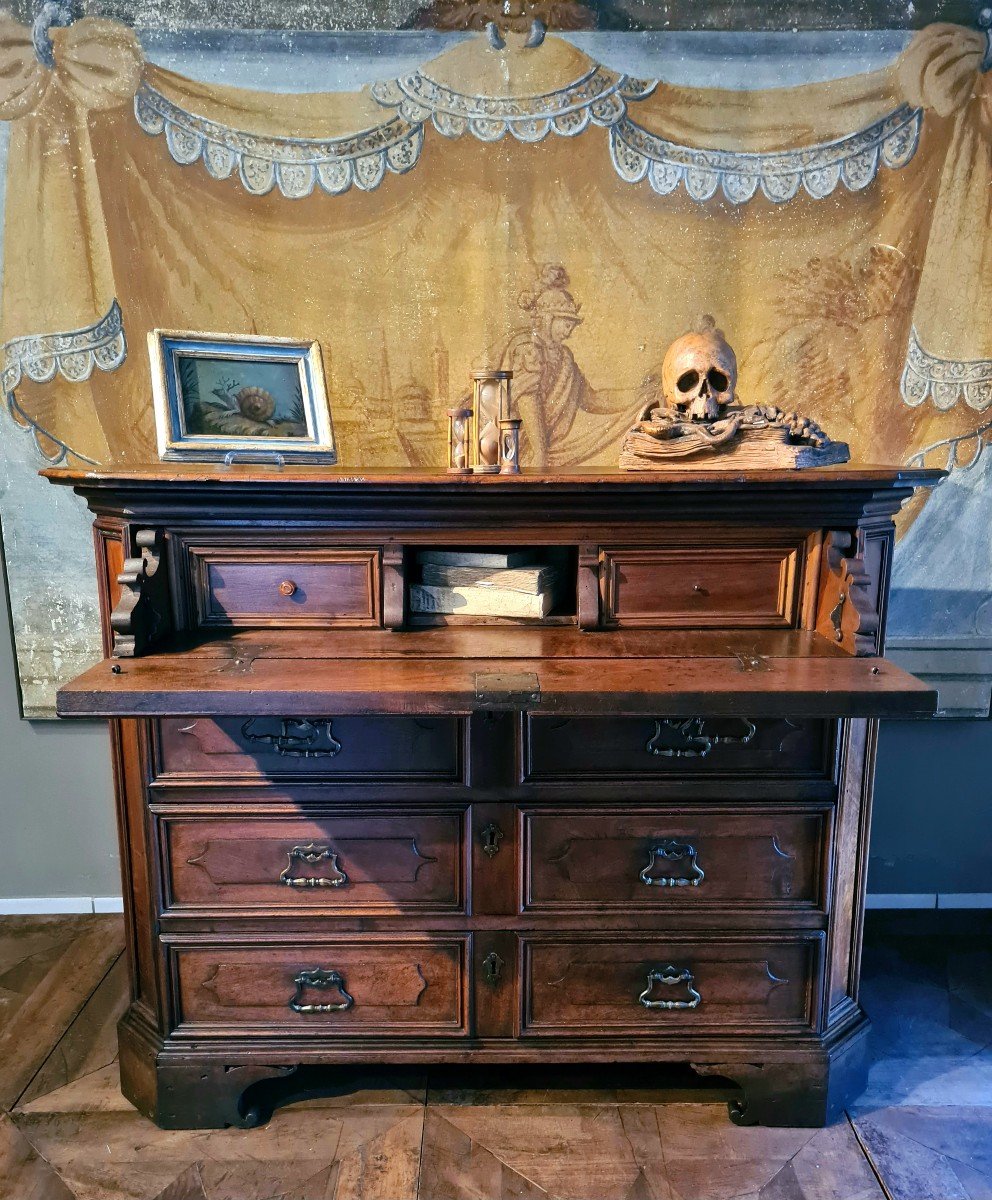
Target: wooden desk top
[453, 672]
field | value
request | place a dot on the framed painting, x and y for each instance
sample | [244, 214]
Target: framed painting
[227, 398]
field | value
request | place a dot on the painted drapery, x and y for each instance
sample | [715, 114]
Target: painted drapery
[523, 206]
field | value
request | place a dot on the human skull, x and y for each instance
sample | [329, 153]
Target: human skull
[699, 374]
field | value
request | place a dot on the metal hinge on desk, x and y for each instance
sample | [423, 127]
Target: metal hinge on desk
[507, 689]
[752, 662]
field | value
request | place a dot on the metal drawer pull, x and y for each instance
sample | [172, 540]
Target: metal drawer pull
[297, 737]
[672, 851]
[697, 742]
[320, 979]
[491, 837]
[287, 588]
[670, 976]
[313, 854]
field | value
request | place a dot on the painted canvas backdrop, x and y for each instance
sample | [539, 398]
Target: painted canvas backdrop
[542, 257]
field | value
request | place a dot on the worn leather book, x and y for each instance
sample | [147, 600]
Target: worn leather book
[479, 601]
[493, 559]
[520, 579]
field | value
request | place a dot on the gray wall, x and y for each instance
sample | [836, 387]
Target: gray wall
[932, 821]
[57, 833]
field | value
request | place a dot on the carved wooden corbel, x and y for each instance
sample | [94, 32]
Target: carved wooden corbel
[141, 615]
[588, 586]
[393, 587]
[847, 612]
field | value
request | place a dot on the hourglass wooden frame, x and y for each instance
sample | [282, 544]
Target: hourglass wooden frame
[491, 402]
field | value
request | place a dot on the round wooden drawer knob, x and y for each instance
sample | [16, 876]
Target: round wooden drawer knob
[287, 588]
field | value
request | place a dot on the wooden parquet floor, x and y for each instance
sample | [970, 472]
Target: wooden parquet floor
[922, 1132]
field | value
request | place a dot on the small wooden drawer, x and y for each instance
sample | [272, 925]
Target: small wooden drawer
[695, 587]
[371, 862]
[242, 587]
[610, 860]
[373, 749]
[581, 749]
[651, 986]
[348, 987]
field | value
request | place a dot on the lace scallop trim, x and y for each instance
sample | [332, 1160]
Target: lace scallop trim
[73, 355]
[599, 97]
[853, 160]
[294, 165]
[945, 380]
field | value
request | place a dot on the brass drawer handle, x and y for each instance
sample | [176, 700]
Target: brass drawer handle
[670, 977]
[321, 980]
[697, 743]
[296, 737]
[312, 854]
[287, 588]
[491, 837]
[672, 851]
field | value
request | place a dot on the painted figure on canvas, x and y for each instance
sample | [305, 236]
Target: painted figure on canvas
[565, 421]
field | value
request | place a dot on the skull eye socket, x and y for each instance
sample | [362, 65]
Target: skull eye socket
[687, 381]
[717, 380]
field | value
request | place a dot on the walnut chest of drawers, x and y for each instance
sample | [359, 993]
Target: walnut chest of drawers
[634, 831]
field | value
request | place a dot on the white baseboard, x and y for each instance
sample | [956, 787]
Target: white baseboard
[33, 906]
[40, 906]
[901, 900]
[964, 900]
[921, 900]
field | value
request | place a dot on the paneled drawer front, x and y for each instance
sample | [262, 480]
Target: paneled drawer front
[630, 748]
[239, 586]
[365, 862]
[636, 860]
[347, 749]
[349, 987]
[665, 985]
[728, 587]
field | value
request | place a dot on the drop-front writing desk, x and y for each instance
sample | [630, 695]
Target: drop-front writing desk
[633, 832]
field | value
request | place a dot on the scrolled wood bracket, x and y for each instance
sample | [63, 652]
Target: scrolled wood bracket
[847, 612]
[141, 614]
[588, 587]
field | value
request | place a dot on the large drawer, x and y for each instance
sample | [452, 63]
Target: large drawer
[745, 586]
[609, 860]
[348, 987]
[578, 749]
[651, 985]
[347, 749]
[244, 587]
[377, 862]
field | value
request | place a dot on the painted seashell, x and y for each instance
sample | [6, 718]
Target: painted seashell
[256, 403]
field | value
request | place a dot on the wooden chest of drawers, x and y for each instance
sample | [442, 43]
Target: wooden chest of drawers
[636, 830]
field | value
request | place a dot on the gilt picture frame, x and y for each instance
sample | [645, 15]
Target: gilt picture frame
[239, 398]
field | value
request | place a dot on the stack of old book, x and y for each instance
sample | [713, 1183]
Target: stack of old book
[485, 583]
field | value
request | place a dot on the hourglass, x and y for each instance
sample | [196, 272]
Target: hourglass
[509, 446]
[491, 395]
[459, 427]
